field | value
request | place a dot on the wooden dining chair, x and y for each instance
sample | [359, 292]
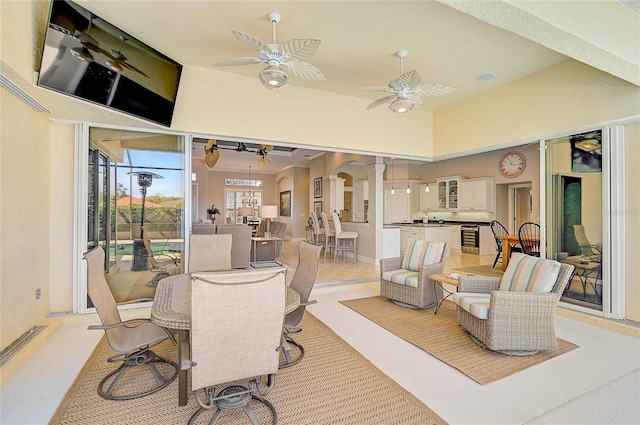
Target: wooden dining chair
[498, 229]
[529, 235]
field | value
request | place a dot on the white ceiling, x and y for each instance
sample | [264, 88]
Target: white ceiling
[359, 41]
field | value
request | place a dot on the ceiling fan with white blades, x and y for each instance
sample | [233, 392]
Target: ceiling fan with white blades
[407, 90]
[287, 56]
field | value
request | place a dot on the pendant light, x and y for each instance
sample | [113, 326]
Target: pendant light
[393, 191]
[408, 188]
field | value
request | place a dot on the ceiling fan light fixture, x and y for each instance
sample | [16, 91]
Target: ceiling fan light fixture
[114, 66]
[401, 106]
[82, 54]
[589, 144]
[273, 78]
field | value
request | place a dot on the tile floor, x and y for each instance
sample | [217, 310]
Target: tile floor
[599, 383]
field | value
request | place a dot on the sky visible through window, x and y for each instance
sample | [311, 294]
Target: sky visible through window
[166, 164]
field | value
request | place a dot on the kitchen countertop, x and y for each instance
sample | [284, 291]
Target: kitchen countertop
[438, 224]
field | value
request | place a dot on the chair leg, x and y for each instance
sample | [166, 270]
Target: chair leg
[496, 260]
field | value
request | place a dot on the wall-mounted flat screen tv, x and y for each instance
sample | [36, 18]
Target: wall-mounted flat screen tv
[86, 57]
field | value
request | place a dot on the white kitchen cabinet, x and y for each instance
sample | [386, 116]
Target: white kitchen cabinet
[440, 234]
[430, 233]
[487, 241]
[408, 232]
[429, 200]
[455, 238]
[477, 194]
[397, 207]
[391, 242]
[448, 190]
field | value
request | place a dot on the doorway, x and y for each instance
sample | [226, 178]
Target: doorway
[520, 205]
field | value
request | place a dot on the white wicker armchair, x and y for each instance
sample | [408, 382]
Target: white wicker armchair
[519, 322]
[394, 277]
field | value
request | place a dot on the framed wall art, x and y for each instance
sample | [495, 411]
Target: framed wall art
[317, 207]
[317, 187]
[285, 203]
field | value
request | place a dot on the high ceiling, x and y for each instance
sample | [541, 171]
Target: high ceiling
[359, 41]
[448, 42]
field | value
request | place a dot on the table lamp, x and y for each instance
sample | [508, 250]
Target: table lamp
[245, 212]
[268, 212]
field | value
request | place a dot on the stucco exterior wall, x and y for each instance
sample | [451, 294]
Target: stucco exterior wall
[24, 217]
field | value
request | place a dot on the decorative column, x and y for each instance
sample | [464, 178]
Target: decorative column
[376, 199]
[336, 192]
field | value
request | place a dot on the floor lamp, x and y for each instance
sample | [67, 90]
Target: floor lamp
[268, 212]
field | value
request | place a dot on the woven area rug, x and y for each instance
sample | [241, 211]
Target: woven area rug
[440, 336]
[485, 270]
[333, 384]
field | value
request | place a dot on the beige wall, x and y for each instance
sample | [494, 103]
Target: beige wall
[486, 165]
[632, 221]
[62, 213]
[215, 102]
[25, 212]
[295, 179]
[211, 189]
[560, 98]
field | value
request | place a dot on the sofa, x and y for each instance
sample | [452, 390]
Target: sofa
[264, 250]
[240, 240]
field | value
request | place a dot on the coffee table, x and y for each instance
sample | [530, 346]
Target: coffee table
[439, 279]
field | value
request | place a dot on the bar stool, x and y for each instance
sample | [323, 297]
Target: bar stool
[345, 241]
[318, 232]
[329, 234]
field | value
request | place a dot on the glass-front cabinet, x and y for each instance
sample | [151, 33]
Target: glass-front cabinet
[448, 193]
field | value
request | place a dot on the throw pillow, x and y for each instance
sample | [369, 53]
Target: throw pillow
[420, 253]
[529, 274]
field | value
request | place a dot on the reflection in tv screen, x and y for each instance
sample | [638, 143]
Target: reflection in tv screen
[88, 58]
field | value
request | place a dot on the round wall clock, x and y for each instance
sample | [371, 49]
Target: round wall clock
[512, 164]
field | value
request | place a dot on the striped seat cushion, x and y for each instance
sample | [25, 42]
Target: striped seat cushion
[529, 274]
[420, 253]
[476, 304]
[402, 277]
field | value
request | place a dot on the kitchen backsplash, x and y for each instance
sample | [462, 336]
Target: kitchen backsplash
[455, 215]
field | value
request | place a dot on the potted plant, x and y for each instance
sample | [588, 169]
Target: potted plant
[213, 211]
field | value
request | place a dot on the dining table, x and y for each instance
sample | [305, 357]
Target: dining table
[507, 242]
[171, 309]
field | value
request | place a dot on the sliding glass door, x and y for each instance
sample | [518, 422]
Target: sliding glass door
[135, 191]
[575, 207]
